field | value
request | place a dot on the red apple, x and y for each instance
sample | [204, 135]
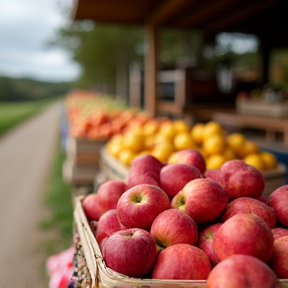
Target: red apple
[109, 193]
[92, 207]
[278, 201]
[246, 234]
[139, 206]
[279, 232]
[183, 262]
[215, 175]
[173, 177]
[205, 242]
[263, 199]
[144, 169]
[202, 199]
[189, 156]
[279, 259]
[241, 180]
[249, 205]
[242, 271]
[130, 251]
[108, 223]
[172, 227]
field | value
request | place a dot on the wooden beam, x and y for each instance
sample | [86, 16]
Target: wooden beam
[167, 10]
[203, 12]
[151, 68]
[238, 16]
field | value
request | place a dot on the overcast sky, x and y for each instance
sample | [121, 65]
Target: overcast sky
[25, 28]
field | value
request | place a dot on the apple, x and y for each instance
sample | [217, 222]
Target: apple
[173, 177]
[279, 259]
[172, 227]
[278, 202]
[138, 206]
[279, 232]
[189, 156]
[250, 205]
[92, 207]
[182, 262]
[205, 242]
[263, 199]
[242, 271]
[241, 180]
[130, 251]
[215, 175]
[108, 223]
[144, 169]
[109, 193]
[246, 234]
[202, 199]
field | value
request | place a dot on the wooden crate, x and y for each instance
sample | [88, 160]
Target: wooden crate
[84, 151]
[104, 277]
[263, 108]
[78, 174]
[111, 168]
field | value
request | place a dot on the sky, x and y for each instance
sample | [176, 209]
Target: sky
[25, 28]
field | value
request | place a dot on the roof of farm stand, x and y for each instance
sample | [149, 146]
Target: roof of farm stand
[265, 18]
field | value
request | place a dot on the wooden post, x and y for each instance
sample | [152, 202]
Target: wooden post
[151, 69]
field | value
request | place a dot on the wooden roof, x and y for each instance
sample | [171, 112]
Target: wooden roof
[265, 18]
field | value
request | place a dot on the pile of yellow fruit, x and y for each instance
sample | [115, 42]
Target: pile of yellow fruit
[162, 137]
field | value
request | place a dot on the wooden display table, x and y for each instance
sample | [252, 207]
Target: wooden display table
[270, 125]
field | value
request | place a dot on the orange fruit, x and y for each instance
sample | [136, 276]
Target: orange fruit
[269, 159]
[134, 141]
[168, 129]
[255, 160]
[181, 126]
[249, 147]
[215, 161]
[229, 154]
[214, 144]
[197, 133]
[211, 128]
[236, 141]
[163, 151]
[150, 127]
[183, 141]
[126, 156]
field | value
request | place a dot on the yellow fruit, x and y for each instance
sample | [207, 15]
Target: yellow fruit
[255, 160]
[183, 141]
[236, 141]
[181, 126]
[163, 151]
[269, 159]
[249, 147]
[211, 128]
[162, 138]
[126, 156]
[150, 127]
[149, 141]
[134, 141]
[168, 129]
[197, 133]
[215, 161]
[229, 154]
[214, 144]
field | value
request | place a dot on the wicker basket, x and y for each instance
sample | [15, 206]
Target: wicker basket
[104, 277]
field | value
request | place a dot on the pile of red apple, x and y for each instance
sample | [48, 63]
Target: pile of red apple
[181, 221]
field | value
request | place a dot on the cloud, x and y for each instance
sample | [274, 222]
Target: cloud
[25, 28]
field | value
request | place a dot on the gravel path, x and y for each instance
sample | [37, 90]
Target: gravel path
[26, 155]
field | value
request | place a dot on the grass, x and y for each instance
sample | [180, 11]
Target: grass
[13, 113]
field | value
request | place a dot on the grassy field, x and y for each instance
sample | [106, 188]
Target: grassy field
[13, 113]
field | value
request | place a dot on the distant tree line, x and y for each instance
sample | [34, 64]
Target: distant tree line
[12, 89]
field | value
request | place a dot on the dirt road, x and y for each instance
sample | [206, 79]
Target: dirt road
[26, 155]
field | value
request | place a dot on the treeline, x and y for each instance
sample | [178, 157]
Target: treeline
[23, 89]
